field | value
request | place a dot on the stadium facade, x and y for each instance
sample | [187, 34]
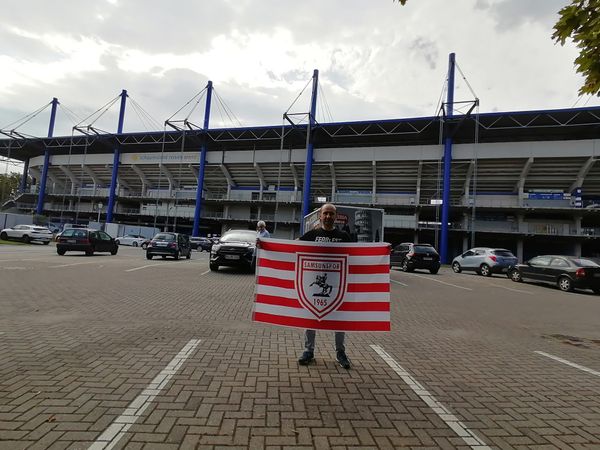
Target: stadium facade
[528, 181]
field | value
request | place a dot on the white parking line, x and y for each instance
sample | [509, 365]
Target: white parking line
[511, 289]
[468, 436]
[397, 282]
[204, 273]
[143, 267]
[568, 363]
[116, 430]
[440, 281]
[73, 264]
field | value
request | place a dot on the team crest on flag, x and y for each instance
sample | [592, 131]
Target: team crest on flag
[321, 282]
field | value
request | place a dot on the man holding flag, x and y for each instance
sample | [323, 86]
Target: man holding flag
[324, 281]
[327, 232]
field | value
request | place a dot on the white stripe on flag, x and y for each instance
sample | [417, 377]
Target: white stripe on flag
[348, 297]
[352, 260]
[352, 278]
[342, 316]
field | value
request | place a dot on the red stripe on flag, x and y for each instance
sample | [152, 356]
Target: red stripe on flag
[368, 268]
[368, 287]
[276, 282]
[279, 301]
[274, 264]
[322, 324]
[323, 250]
[364, 306]
[345, 306]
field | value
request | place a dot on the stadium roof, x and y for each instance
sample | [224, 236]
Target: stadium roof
[548, 125]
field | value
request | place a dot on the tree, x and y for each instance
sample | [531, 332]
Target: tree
[580, 21]
[9, 183]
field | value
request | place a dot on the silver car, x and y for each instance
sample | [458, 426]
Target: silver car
[484, 260]
[27, 233]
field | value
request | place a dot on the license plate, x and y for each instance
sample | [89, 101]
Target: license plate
[161, 244]
[232, 256]
[71, 241]
[597, 275]
[427, 258]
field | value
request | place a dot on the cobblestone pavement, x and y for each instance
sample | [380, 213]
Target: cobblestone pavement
[81, 338]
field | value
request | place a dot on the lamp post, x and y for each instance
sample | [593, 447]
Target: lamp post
[100, 205]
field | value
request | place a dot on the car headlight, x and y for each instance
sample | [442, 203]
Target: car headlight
[215, 248]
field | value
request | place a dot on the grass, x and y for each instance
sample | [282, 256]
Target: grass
[11, 242]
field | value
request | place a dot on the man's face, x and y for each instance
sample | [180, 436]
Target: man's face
[328, 215]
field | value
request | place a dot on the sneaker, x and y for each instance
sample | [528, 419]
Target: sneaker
[343, 359]
[306, 358]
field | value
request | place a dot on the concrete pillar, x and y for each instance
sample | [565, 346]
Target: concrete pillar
[519, 255]
[577, 220]
[416, 237]
[521, 223]
[226, 212]
[465, 243]
[577, 247]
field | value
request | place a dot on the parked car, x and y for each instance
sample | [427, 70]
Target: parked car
[85, 240]
[27, 233]
[201, 243]
[169, 244]
[409, 256]
[566, 272]
[235, 249]
[485, 261]
[134, 240]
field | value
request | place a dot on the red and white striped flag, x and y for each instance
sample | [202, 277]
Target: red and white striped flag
[323, 286]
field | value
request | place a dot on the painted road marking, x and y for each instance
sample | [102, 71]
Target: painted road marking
[440, 281]
[116, 430]
[142, 267]
[468, 436]
[569, 363]
[204, 273]
[511, 289]
[73, 264]
[397, 282]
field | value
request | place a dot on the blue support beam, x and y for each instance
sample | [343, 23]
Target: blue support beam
[447, 162]
[309, 152]
[116, 157]
[42, 191]
[200, 188]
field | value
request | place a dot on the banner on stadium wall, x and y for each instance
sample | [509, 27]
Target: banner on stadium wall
[323, 286]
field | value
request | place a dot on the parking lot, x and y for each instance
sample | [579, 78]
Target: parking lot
[122, 352]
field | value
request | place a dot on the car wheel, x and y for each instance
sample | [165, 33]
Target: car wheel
[176, 256]
[596, 291]
[213, 267]
[60, 251]
[135, 244]
[456, 267]
[515, 275]
[148, 256]
[485, 270]
[144, 246]
[163, 257]
[26, 239]
[114, 251]
[565, 284]
[89, 252]
[46, 242]
[4, 236]
[434, 271]
[117, 242]
[189, 255]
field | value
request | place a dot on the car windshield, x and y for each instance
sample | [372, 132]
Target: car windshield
[503, 253]
[580, 262]
[424, 249]
[169, 237]
[239, 236]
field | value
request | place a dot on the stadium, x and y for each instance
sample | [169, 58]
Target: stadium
[527, 181]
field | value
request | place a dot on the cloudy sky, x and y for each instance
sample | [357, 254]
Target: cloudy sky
[376, 58]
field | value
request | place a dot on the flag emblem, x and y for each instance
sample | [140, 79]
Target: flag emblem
[321, 282]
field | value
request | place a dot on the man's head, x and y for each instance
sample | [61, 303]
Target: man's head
[327, 215]
[261, 225]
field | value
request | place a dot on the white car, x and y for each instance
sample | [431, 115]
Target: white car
[131, 239]
[27, 233]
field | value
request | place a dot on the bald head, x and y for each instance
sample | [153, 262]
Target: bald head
[327, 216]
